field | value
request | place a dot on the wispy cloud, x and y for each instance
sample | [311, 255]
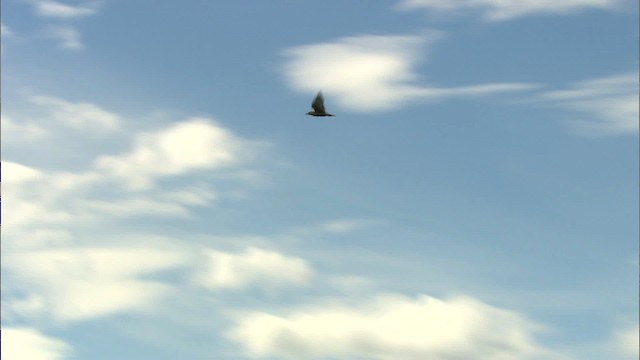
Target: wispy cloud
[30, 344]
[70, 284]
[51, 118]
[5, 31]
[627, 342]
[77, 115]
[253, 267]
[68, 38]
[56, 9]
[14, 132]
[343, 226]
[608, 105]
[373, 72]
[502, 10]
[390, 327]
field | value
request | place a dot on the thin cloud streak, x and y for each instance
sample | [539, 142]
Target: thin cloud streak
[503, 10]
[56, 9]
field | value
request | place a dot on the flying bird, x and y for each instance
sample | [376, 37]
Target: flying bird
[318, 106]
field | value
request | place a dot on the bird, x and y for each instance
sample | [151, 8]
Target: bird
[318, 106]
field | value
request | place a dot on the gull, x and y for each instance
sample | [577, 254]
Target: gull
[318, 106]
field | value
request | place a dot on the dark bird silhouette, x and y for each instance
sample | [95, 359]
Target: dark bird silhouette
[318, 106]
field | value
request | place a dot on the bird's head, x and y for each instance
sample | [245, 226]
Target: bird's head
[309, 113]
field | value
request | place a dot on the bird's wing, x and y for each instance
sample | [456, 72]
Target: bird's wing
[318, 103]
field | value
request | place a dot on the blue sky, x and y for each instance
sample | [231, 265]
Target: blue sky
[165, 197]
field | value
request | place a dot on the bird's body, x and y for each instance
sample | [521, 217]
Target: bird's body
[318, 106]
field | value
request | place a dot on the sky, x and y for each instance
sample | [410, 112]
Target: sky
[166, 197]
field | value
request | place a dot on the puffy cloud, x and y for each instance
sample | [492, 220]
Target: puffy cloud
[391, 327]
[501, 10]
[71, 284]
[611, 104]
[192, 145]
[45, 203]
[56, 9]
[29, 344]
[373, 72]
[253, 267]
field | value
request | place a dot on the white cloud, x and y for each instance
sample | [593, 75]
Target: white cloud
[78, 115]
[56, 9]
[63, 251]
[627, 342]
[373, 72]
[19, 173]
[23, 343]
[501, 10]
[44, 202]
[34, 198]
[71, 284]
[391, 327]
[254, 267]
[610, 104]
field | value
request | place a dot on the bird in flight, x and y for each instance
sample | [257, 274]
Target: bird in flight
[318, 106]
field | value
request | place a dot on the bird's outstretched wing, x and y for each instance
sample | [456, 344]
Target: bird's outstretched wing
[318, 103]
